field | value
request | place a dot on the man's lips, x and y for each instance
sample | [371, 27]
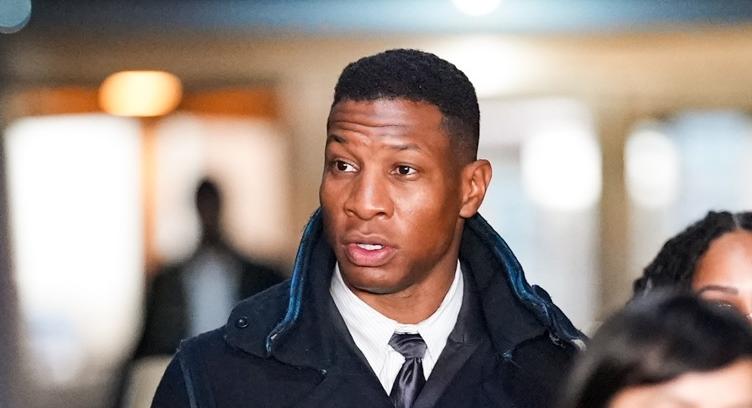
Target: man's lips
[368, 252]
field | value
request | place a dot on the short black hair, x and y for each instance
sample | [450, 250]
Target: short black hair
[654, 340]
[675, 264]
[208, 190]
[208, 198]
[420, 77]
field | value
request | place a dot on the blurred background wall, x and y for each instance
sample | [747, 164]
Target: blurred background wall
[10, 384]
[610, 125]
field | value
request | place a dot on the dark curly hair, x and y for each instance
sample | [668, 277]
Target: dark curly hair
[675, 264]
[420, 77]
[656, 339]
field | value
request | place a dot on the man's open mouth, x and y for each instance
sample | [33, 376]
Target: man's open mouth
[368, 254]
[370, 247]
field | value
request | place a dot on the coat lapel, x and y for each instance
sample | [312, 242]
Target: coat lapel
[348, 381]
[463, 341]
[347, 389]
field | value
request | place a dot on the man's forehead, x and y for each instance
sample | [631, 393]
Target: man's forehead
[384, 113]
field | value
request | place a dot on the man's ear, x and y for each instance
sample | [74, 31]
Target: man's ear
[476, 176]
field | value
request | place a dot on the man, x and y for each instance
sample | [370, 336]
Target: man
[197, 294]
[401, 294]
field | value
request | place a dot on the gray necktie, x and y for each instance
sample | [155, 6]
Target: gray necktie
[410, 379]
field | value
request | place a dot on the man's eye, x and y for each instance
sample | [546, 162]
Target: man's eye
[405, 170]
[343, 166]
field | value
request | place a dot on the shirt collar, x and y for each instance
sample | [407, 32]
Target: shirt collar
[372, 330]
[436, 328]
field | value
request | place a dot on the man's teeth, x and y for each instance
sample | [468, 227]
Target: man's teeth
[370, 247]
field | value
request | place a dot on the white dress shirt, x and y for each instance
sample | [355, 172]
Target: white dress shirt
[211, 284]
[371, 330]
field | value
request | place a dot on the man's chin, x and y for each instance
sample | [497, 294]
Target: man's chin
[371, 286]
[378, 290]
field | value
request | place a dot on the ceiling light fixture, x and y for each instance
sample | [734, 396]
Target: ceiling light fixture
[140, 93]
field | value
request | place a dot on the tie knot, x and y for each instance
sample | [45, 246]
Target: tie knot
[410, 345]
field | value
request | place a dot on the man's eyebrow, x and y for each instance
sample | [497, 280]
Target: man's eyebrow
[718, 288]
[404, 146]
[395, 146]
[336, 139]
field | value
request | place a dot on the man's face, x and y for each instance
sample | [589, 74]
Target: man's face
[391, 194]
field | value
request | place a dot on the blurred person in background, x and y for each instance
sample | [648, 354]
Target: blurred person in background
[712, 258]
[665, 351]
[198, 294]
[401, 294]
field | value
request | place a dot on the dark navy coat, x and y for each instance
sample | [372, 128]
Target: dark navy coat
[166, 320]
[288, 346]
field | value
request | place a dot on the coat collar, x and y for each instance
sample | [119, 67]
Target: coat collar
[295, 323]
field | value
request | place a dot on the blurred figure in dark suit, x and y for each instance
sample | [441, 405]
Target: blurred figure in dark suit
[197, 294]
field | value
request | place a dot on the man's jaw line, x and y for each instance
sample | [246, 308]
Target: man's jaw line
[408, 303]
[396, 303]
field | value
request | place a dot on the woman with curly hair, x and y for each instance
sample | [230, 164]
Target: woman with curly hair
[712, 258]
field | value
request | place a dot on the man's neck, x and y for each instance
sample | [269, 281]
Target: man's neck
[415, 303]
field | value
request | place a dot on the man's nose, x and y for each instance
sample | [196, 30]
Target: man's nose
[368, 197]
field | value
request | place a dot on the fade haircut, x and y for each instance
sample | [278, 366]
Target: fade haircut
[417, 76]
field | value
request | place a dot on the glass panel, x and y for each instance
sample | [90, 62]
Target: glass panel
[76, 233]
[247, 158]
[544, 194]
[698, 161]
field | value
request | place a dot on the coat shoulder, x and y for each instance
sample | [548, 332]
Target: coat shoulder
[209, 371]
[252, 319]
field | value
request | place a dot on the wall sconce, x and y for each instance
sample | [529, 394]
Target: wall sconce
[140, 93]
